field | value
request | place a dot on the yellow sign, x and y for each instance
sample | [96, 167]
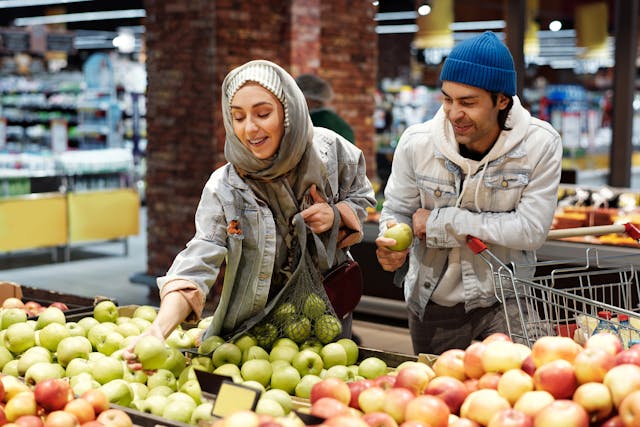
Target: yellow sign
[234, 397]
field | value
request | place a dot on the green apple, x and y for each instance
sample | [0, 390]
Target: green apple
[254, 384]
[307, 362]
[372, 367]
[230, 370]
[266, 334]
[5, 356]
[11, 368]
[95, 355]
[285, 378]
[146, 312]
[282, 352]
[19, 337]
[177, 410]
[75, 329]
[402, 234]
[141, 323]
[107, 369]
[333, 354]
[73, 347]
[79, 386]
[298, 328]
[209, 344]
[314, 306]
[109, 343]
[245, 341]
[351, 348]
[269, 407]
[160, 390]
[140, 390]
[254, 352]
[327, 328]
[202, 414]
[195, 334]
[280, 396]
[51, 335]
[175, 361]
[178, 338]
[162, 377]
[151, 352]
[283, 312]
[118, 392]
[105, 311]
[192, 388]
[41, 371]
[12, 315]
[187, 374]
[50, 315]
[203, 363]
[155, 404]
[303, 388]
[205, 322]
[226, 353]
[138, 404]
[87, 323]
[286, 342]
[259, 370]
[33, 355]
[312, 343]
[128, 329]
[134, 376]
[98, 333]
[77, 366]
[341, 372]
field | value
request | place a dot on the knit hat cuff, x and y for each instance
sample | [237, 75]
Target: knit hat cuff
[473, 74]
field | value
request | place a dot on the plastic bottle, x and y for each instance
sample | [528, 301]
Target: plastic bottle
[624, 330]
[605, 324]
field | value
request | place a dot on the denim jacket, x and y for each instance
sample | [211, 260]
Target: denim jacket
[250, 255]
[507, 200]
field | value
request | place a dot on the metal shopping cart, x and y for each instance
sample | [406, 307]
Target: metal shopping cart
[564, 297]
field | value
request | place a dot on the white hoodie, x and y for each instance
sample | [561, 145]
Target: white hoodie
[507, 200]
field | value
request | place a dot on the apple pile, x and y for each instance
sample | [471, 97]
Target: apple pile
[495, 383]
[51, 403]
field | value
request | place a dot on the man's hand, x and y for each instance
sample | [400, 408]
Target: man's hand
[420, 218]
[388, 259]
[319, 216]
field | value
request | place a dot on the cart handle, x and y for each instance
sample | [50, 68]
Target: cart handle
[475, 244]
[628, 228]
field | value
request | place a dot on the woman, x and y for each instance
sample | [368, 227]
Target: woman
[279, 166]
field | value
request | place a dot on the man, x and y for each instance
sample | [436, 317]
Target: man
[319, 94]
[483, 167]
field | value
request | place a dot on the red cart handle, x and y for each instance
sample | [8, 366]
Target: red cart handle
[475, 244]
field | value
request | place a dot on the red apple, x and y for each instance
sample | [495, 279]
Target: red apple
[591, 364]
[82, 409]
[482, 404]
[629, 409]
[61, 419]
[395, 402]
[29, 421]
[489, 380]
[510, 418]
[622, 380]
[427, 409]
[450, 363]
[532, 402]
[513, 384]
[528, 366]
[97, 398]
[496, 336]
[451, 390]
[628, 356]
[500, 356]
[411, 423]
[62, 306]
[615, 421]
[412, 378]
[595, 398]
[372, 399]
[379, 419]
[53, 393]
[96, 423]
[557, 377]
[331, 387]
[114, 417]
[473, 360]
[385, 381]
[548, 348]
[605, 340]
[356, 387]
[327, 407]
[346, 420]
[562, 412]
[463, 422]
[471, 384]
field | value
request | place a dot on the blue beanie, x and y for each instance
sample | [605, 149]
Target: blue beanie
[482, 61]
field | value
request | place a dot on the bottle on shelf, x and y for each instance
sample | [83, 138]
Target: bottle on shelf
[605, 324]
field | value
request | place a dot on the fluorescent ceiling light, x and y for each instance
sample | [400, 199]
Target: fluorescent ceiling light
[396, 29]
[4, 4]
[478, 25]
[395, 16]
[78, 17]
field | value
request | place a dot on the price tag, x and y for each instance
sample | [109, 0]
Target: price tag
[234, 397]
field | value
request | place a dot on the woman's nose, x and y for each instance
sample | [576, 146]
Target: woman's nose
[250, 125]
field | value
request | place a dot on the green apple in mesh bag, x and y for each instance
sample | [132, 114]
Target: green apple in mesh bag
[327, 328]
[314, 306]
[283, 312]
[266, 333]
[402, 234]
[298, 328]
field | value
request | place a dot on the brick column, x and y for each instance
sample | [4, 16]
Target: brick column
[190, 48]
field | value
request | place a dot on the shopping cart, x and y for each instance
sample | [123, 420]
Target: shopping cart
[564, 297]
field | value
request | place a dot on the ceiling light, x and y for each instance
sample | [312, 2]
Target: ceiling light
[125, 42]
[555, 25]
[4, 4]
[424, 9]
[79, 17]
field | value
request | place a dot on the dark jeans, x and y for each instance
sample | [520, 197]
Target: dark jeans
[445, 328]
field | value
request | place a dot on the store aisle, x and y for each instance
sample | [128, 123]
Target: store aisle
[103, 269]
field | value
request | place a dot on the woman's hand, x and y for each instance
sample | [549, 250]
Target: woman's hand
[129, 355]
[319, 216]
